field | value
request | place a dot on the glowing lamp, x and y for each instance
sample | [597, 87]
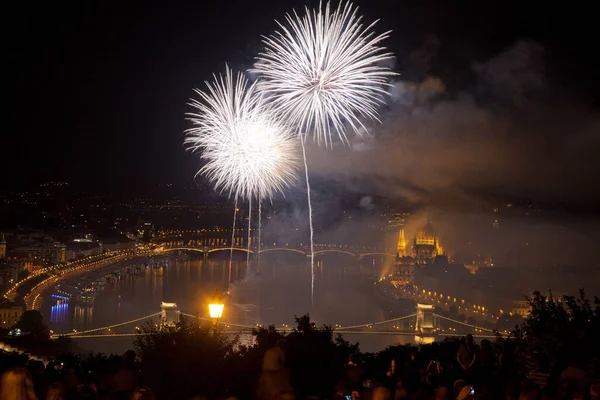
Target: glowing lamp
[215, 307]
[216, 310]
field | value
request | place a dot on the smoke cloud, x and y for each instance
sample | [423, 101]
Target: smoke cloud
[510, 133]
[441, 154]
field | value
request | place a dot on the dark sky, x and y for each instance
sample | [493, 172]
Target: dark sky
[97, 92]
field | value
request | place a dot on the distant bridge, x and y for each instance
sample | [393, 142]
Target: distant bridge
[355, 252]
[424, 324]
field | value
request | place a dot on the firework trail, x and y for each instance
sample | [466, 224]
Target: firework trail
[321, 72]
[259, 227]
[312, 253]
[249, 226]
[232, 237]
[247, 151]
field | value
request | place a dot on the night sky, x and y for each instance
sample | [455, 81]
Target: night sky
[97, 92]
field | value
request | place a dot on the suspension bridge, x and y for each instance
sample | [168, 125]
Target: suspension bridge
[425, 323]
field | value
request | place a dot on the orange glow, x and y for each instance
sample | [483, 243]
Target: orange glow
[216, 310]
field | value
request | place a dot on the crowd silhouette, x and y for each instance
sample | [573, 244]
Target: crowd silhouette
[553, 354]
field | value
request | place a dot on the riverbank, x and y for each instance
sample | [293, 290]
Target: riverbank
[31, 288]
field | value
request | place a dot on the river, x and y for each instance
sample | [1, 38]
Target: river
[343, 295]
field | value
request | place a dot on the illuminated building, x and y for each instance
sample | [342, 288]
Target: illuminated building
[427, 245]
[9, 316]
[9, 272]
[401, 247]
[49, 253]
[2, 247]
[30, 267]
[117, 244]
[404, 267]
[404, 271]
[77, 250]
[520, 307]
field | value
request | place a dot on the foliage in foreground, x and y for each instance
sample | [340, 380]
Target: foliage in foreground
[204, 362]
[559, 332]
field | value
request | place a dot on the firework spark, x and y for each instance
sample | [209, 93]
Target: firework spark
[247, 151]
[324, 70]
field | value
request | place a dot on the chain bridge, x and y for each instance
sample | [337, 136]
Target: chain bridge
[425, 325]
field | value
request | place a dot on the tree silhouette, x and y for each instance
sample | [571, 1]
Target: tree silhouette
[32, 322]
[558, 332]
[186, 359]
[315, 358]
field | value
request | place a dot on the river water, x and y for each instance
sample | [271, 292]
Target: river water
[280, 290]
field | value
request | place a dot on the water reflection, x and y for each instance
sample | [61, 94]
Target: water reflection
[83, 317]
[343, 293]
[59, 312]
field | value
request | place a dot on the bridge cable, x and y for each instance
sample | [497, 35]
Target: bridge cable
[105, 335]
[378, 323]
[109, 326]
[463, 323]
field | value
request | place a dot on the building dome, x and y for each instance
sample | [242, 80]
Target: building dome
[427, 243]
[428, 229]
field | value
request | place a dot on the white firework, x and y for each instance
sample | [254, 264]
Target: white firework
[248, 153]
[324, 70]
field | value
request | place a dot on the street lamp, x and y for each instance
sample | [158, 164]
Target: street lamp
[215, 308]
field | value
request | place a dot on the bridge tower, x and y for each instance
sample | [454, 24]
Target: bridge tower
[425, 323]
[169, 314]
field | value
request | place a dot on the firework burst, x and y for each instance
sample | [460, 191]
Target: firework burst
[324, 70]
[248, 153]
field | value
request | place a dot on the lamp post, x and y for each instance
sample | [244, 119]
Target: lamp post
[215, 309]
